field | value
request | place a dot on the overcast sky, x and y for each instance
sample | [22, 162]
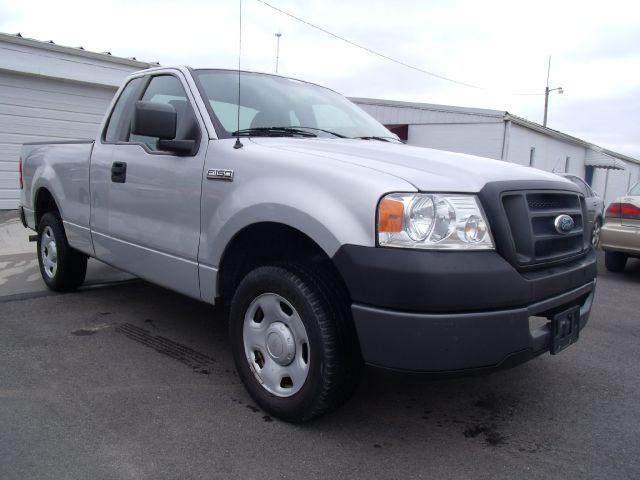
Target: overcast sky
[501, 47]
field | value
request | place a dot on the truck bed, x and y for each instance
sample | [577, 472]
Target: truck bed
[62, 167]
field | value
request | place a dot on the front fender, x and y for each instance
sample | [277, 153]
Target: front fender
[325, 220]
[331, 202]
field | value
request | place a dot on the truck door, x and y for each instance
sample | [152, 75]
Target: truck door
[150, 225]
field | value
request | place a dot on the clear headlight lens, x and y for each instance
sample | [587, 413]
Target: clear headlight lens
[433, 221]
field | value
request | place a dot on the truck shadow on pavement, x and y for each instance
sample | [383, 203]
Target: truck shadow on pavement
[480, 409]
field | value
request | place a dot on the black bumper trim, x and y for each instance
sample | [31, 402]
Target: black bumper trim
[444, 281]
[455, 343]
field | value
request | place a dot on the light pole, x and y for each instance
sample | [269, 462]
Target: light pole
[546, 94]
[278, 35]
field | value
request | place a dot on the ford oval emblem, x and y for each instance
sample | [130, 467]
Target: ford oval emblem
[564, 224]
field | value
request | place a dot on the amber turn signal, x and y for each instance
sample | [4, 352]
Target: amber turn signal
[390, 216]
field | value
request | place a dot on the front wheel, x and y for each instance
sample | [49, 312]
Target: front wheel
[293, 355]
[62, 268]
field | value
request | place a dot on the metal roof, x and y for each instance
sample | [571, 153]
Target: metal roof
[600, 159]
[606, 158]
[79, 51]
[431, 107]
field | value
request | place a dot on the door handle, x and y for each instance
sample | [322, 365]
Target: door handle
[119, 172]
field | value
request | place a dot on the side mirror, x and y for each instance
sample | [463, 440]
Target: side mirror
[154, 120]
[159, 120]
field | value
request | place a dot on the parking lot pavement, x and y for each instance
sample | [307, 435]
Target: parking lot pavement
[132, 381]
[19, 271]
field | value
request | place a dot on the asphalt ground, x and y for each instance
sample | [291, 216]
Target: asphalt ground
[126, 380]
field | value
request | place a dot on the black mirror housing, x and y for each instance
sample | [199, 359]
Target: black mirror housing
[180, 147]
[154, 120]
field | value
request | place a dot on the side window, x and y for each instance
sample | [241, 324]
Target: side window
[587, 189]
[120, 110]
[168, 89]
[591, 192]
[584, 188]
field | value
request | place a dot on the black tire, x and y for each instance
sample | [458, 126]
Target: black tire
[334, 363]
[70, 265]
[595, 233]
[615, 261]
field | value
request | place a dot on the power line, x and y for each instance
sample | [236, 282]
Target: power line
[386, 57]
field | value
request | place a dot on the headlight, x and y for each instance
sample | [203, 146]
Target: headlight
[433, 221]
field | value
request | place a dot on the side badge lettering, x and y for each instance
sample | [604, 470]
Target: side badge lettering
[220, 174]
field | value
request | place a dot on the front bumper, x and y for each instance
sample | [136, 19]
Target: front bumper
[456, 311]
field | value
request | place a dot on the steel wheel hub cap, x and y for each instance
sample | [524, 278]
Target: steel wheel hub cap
[276, 344]
[49, 252]
[280, 343]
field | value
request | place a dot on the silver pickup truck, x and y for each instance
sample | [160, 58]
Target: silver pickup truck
[333, 243]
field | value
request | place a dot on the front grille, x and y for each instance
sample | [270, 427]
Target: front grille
[531, 216]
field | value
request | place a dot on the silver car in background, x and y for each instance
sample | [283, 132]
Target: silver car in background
[595, 207]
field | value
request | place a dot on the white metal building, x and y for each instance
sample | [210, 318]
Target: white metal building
[50, 92]
[502, 136]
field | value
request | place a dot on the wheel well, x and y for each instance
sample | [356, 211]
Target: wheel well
[44, 203]
[265, 243]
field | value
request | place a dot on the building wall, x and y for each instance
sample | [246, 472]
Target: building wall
[482, 139]
[50, 92]
[481, 132]
[43, 109]
[550, 153]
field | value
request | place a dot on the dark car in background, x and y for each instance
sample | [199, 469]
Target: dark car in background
[595, 207]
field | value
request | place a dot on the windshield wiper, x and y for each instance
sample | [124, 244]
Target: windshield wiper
[381, 139]
[298, 130]
[272, 132]
[325, 131]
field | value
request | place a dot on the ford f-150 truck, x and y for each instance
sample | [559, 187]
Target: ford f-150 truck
[333, 244]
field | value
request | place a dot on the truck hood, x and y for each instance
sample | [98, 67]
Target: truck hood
[426, 169]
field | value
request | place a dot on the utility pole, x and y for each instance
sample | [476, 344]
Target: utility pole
[546, 94]
[278, 35]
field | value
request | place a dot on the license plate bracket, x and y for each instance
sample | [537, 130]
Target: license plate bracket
[565, 329]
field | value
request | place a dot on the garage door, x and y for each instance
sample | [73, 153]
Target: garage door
[40, 109]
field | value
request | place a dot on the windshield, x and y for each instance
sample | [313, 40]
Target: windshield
[268, 101]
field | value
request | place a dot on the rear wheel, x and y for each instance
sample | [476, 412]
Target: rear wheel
[62, 268]
[615, 261]
[290, 346]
